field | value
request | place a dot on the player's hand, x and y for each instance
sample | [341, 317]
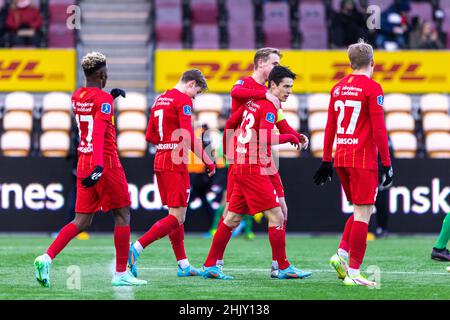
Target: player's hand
[294, 141]
[116, 92]
[93, 177]
[388, 174]
[211, 169]
[276, 102]
[324, 173]
[304, 141]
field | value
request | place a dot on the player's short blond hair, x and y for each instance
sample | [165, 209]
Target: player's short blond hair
[264, 54]
[92, 61]
[360, 54]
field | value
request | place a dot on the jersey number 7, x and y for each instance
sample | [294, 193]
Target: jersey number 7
[340, 105]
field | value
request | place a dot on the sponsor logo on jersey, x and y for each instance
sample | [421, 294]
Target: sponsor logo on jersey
[106, 108]
[187, 110]
[240, 82]
[270, 117]
[336, 91]
[347, 141]
[380, 100]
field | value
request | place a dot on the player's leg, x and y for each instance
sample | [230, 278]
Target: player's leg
[218, 246]
[42, 263]
[339, 261]
[277, 239]
[364, 186]
[275, 268]
[440, 251]
[122, 245]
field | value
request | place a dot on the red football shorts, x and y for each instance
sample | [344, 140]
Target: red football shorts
[110, 192]
[230, 182]
[253, 194]
[360, 185]
[278, 185]
[174, 188]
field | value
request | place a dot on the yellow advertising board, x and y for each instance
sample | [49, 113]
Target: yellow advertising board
[318, 71]
[37, 70]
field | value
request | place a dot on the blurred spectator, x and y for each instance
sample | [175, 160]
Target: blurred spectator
[425, 36]
[348, 25]
[24, 22]
[394, 26]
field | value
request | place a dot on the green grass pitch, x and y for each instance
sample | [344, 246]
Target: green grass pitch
[406, 270]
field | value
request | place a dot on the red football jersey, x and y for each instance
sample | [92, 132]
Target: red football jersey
[89, 106]
[356, 118]
[244, 88]
[252, 149]
[168, 112]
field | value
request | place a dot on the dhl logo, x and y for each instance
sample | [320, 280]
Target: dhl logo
[403, 71]
[25, 70]
[217, 71]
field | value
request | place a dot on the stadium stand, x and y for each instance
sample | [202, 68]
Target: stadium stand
[240, 24]
[312, 25]
[276, 28]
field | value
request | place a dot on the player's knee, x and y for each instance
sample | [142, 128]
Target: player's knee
[232, 221]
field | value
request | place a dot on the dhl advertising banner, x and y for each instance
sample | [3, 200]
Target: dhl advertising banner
[37, 70]
[318, 71]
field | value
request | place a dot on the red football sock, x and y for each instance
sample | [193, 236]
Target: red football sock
[220, 241]
[277, 239]
[358, 238]
[177, 240]
[159, 230]
[345, 241]
[122, 244]
[66, 234]
[220, 257]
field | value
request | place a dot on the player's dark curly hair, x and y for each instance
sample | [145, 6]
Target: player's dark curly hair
[278, 73]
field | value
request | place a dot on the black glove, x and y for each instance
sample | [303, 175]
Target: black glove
[117, 92]
[324, 173]
[93, 177]
[388, 174]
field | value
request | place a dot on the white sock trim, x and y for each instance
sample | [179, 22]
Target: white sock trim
[120, 274]
[342, 253]
[219, 262]
[47, 257]
[353, 272]
[184, 263]
[138, 246]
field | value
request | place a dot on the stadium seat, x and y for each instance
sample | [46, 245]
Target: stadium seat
[134, 101]
[56, 121]
[434, 103]
[292, 104]
[131, 144]
[204, 11]
[19, 101]
[209, 118]
[18, 120]
[435, 122]
[404, 144]
[208, 102]
[316, 144]
[57, 101]
[169, 25]
[438, 145]
[276, 28]
[318, 102]
[57, 12]
[293, 119]
[132, 121]
[205, 36]
[55, 144]
[397, 102]
[59, 36]
[167, 3]
[399, 122]
[317, 121]
[15, 144]
[423, 10]
[240, 25]
[312, 24]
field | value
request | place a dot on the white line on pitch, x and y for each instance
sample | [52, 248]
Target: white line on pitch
[312, 270]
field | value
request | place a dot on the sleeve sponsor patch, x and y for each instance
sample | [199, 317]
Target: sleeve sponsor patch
[106, 108]
[187, 110]
[270, 117]
[239, 82]
[380, 100]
